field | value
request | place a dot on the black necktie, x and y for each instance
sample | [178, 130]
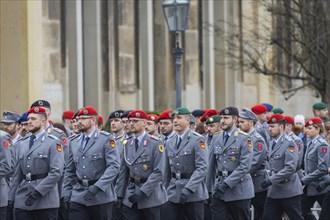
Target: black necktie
[209, 139]
[178, 143]
[225, 139]
[84, 143]
[32, 138]
[136, 144]
[274, 143]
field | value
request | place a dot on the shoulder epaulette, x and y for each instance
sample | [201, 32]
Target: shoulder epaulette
[25, 137]
[154, 137]
[218, 133]
[288, 138]
[257, 135]
[243, 133]
[321, 140]
[72, 137]
[197, 134]
[105, 133]
[53, 136]
[58, 130]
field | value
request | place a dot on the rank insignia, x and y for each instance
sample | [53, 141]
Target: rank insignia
[202, 144]
[259, 147]
[324, 150]
[5, 144]
[124, 141]
[112, 143]
[233, 158]
[59, 147]
[249, 143]
[145, 167]
[236, 134]
[64, 141]
[291, 149]
[161, 148]
[298, 146]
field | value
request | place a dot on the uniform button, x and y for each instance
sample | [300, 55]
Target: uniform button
[135, 169]
[177, 164]
[224, 162]
[177, 156]
[85, 177]
[224, 154]
[83, 157]
[28, 165]
[84, 167]
[29, 158]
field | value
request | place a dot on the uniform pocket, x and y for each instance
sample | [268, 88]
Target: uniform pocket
[97, 160]
[41, 162]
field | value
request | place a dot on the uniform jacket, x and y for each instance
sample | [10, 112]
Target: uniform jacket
[191, 158]
[44, 157]
[234, 157]
[316, 166]
[283, 161]
[148, 162]
[98, 161]
[5, 167]
[210, 177]
[262, 129]
[259, 161]
[301, 148]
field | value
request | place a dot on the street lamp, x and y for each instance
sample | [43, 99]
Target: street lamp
[176, 15]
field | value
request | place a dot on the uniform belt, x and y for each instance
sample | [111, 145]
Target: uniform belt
[30, 177]
[258, 173]
[224, 173]
[137, 180]
[179, 176]
[86, 182]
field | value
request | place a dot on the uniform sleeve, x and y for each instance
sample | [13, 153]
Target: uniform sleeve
[158, 170]
[211, 170]
[123, 176]
[112, 159]
[201, 164]
[69, 174]
[244, 165]
[56, 164]
[290, 164]
[321, 165]
[167, 172]
[259, 153]
[17, 177]
[5, 159]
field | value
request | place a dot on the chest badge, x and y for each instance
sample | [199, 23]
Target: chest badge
[161, 148]
[233, 158]
[291, 149]
[145, 167]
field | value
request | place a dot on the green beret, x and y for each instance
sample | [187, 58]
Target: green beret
[320, 106]
[213, 119]
[278, 111]
[181, 111]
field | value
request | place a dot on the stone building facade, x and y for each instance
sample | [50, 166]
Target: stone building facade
[118, 55]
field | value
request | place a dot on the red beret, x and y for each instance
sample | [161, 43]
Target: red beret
[276, 118]
[137, 114]
[167, 114]
[37, 110]
[153, 117]
[208, 114]
[68, 114]
[99, 119]
[259, 109]
[314, 121]
[289, 120]
[88, 110]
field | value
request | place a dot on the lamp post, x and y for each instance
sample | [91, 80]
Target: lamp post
[176, 15]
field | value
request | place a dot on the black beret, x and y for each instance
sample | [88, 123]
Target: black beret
[116, 114]
[40, 103]
[198, 112]
[125, 114]
[231, 110]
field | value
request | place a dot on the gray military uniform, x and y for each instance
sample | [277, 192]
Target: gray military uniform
[187, 167]
[45, 157]
[315, 165]
[5, 167]
[301, 147]
[95, 164]
[283, 159]
[143, 169]
[262, 129]
[259, 161]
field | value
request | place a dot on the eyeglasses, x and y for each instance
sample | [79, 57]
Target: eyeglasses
[134, 121]
[85, 118]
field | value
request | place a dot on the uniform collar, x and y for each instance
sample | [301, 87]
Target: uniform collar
[39, 134]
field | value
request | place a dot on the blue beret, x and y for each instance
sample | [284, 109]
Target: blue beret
[248, 114]
[268, 106]
[231, 110]
[198, 112]
[23, 118]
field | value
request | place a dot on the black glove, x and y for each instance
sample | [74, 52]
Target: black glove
[119, 203]
[32, 197]
[220, 190]
[322, 186]
[185, 195]
[66, 202]
[92, 191]
[138, 194]
[264, 184]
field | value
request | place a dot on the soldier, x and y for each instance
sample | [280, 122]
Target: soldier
[289, 122]
[5, 171]
[247, 120]
[100, 122]
[152, 125]
[269, 112]
[91, 171]
[10, 125]
[316, 157]
[285, 187]
[261, 112]
[278, 111]
[320, 109]
[165, 122]
[38, 169]
[126, 125]
[23, 125]
[140, 189]
[231, 162]
[66, 120]
[187, 162]
[198, 113]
